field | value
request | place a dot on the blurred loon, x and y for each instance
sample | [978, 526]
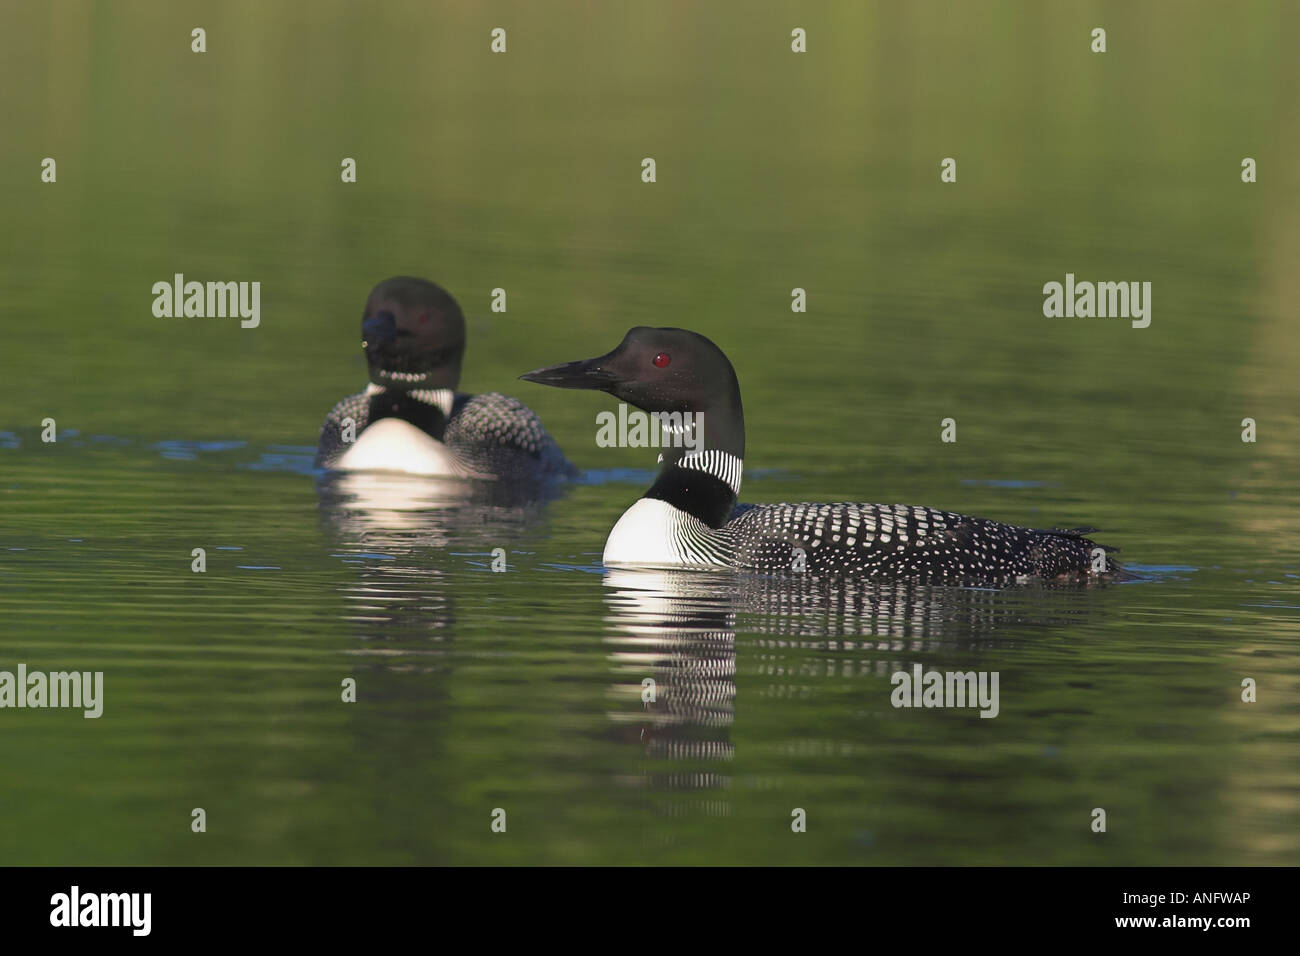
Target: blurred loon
[411, 419]
[690, 518]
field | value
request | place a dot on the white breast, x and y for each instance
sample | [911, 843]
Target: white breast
[392, 444]
[654, 534]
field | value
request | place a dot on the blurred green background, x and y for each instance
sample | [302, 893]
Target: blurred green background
[522, 171]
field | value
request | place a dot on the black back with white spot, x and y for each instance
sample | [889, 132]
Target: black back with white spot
[903, 542]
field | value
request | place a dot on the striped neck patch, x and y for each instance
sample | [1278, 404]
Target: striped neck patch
[720, 464]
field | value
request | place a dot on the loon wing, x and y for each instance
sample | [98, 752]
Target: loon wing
[500, 435]
[902, 541]
[331, 445]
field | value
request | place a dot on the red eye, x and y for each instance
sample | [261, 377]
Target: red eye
[424, 317]
[662, 360]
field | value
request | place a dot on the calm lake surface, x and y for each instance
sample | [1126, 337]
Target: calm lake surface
[522, 690]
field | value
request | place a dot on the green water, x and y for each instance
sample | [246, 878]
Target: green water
[522, 691]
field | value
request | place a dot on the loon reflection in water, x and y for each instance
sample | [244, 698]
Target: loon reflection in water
[690, 517]
[385, 525]
[679, 629]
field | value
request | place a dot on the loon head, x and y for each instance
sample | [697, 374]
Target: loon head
[413, 333]
[665, 370]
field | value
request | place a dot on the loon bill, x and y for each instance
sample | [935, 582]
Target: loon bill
[690, 517]
[411, 419]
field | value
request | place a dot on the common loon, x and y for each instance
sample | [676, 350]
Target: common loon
[690, 516]
[411, 419]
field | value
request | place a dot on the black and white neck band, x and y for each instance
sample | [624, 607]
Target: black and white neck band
[720, 464]
[443, 398]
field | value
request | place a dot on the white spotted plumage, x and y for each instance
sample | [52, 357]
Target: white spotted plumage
[845, 538]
